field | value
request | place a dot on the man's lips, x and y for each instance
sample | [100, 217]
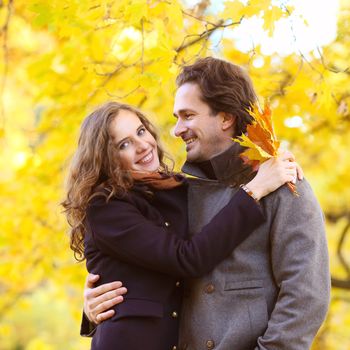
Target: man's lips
[190, 140]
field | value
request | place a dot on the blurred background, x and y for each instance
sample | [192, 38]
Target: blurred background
[60, 58]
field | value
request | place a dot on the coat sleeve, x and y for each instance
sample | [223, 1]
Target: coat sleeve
[300, 265]
[87, 328]
[120, 230]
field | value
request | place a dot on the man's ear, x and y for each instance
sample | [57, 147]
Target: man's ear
[228, 121]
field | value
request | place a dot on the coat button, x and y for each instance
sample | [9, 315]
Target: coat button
[210, 344]
[167, 223]
[177, 284]
[209, 288]
[174, 314]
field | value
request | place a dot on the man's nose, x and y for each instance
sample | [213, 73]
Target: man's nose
[179, 128]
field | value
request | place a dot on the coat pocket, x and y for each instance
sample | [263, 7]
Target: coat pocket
[240, 285]
[251, 295]
[138, 308]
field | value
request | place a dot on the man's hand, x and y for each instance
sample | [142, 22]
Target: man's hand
[98, 301]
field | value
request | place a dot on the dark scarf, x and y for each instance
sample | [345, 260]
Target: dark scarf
[158, 180]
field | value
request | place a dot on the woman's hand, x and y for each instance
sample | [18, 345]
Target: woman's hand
[274, 173]
[99, 300]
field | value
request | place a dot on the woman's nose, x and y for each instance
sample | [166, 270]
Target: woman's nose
[141, 145]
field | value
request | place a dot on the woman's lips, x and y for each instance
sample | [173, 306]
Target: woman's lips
[148, 158]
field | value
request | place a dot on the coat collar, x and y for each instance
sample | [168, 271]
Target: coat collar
[226, 167]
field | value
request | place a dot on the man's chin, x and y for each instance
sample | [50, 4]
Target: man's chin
[194, 153]
[193, 157]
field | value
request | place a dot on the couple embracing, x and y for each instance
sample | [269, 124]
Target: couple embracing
[225, 258]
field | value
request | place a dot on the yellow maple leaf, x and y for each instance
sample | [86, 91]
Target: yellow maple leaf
[254, 7]
[272, 15]
[233, 9]
[254, 151]
[260, 139]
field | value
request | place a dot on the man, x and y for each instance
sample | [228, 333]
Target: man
[273, 291]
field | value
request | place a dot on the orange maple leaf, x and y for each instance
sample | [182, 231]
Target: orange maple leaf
[260, 140]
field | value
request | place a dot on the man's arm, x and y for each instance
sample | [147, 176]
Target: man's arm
[98, 302]
[300, 265]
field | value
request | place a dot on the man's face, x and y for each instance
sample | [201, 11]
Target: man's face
[200, 130]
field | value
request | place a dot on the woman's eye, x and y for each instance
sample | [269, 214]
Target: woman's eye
[141, 131]
[124, 145]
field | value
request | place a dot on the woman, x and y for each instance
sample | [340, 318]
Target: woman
[128, 214]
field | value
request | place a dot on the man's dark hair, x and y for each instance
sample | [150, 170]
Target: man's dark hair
[225, 87]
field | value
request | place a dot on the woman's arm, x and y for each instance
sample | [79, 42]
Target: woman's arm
[122, 231]
[119, 229]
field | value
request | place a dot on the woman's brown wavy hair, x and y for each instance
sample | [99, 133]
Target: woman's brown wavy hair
[95, 167]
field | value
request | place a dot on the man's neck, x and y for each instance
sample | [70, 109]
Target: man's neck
[222, 149]
[226, 167]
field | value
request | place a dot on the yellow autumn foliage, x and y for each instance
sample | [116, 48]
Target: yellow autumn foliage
[60, 58]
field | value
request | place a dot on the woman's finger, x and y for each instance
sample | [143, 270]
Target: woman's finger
[300, 172]
[91, 280]
[101, 299]
[289, 165]
[104, 316]
[287, 156]
[104, 288]
[107, 305]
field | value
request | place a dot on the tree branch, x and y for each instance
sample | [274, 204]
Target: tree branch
[340, 247]
[204, 35]
[109, 76]
[287, 81]
[333, 218]
[198, 18]
[339, 283]
[331, 67]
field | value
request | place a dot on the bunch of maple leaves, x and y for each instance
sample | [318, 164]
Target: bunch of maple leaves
[260, 140]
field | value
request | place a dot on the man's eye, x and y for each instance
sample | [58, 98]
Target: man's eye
[141, 131]
[188, 116]
[124, 145]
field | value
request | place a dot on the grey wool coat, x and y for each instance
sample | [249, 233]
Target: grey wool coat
[273, 292]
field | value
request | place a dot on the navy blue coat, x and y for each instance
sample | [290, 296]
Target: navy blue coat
[143, 242]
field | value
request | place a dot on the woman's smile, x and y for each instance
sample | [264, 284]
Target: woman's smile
[147, 159]
[137, 148]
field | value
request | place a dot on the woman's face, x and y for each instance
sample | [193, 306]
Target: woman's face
[136, 146]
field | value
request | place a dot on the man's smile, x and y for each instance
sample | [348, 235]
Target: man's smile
[190, 140]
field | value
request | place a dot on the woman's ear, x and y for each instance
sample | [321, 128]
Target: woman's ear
[227, 121]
